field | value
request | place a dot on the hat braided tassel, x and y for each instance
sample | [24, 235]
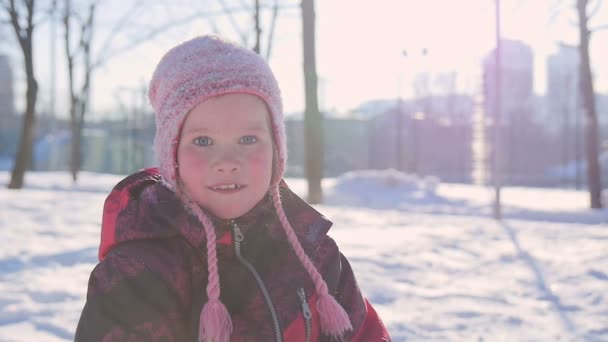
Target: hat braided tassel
[334, 319]
[215, 324]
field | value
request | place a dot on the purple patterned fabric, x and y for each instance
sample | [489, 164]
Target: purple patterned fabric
[150, 285]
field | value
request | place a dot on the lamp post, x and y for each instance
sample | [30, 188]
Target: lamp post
[497, 157]
[399, 135]
[399, 126]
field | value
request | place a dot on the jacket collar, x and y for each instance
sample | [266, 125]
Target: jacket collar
[141, 206]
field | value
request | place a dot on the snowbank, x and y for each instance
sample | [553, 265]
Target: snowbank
[383, 189]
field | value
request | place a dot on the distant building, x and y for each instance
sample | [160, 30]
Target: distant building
[345, 141]
[119, 146]
[563, 94]
[523, 144]
[516, 81]
[563, 116]
[431, 136]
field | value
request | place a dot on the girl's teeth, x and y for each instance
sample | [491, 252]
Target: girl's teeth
[226, 187]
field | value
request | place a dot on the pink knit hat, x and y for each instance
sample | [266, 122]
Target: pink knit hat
[188, 74]
[201, 68]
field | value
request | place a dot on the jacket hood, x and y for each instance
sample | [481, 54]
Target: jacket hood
[143, 206]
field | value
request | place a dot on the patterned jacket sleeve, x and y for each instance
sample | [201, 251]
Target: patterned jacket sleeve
[337, 272]
[132, 298]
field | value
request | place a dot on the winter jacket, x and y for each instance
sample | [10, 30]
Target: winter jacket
[151, 279]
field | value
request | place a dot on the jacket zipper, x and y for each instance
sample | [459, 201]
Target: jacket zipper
[306, 312]
[238, 238]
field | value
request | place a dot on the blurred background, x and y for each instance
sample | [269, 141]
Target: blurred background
[405, 119]
[413, 86]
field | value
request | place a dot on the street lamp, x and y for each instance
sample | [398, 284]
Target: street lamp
[497, 155]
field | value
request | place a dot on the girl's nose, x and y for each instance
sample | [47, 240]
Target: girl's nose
[226, 168]
[226, 163]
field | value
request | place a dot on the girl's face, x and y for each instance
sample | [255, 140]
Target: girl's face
[225, 154]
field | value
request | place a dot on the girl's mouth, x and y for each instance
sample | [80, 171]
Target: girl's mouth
[227, 188]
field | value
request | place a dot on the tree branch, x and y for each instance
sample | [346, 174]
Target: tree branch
[577, 7]
[133, 43]
[232, 20]
[554, 12]
[30, 17]
[70, 17]
[69, 54]
[273, 22]
[151, 34]
[16, 26]
[52, 5]
[213, 24]
[6, 6]
[572, 22]
[598, 5]
[119, 26]
[86, 28]
[107, 53]
[599, 28]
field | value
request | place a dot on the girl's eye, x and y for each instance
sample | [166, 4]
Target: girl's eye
[248, 140]
[203, 141]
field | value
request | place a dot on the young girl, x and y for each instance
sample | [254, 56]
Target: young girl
[212, 245]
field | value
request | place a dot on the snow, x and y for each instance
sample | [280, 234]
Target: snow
[427, 255]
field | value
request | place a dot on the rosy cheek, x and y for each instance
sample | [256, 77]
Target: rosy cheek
[261, 160]
[190, 160]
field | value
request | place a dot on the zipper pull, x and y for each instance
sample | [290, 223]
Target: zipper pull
[238, 235]
[305, 307]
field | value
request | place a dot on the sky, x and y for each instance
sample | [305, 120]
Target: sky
[359, 47]
[427, 255]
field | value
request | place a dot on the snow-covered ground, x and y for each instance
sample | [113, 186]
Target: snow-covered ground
[428, 255]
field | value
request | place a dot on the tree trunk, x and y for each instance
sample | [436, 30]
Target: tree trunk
[313, 122]
[79, 101]
[588, 96]
[77, 118]
[28, 131]
[26, 141]
[75, 147]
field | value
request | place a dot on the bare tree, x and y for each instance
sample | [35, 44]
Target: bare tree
[312, 117]
[78, 98]
[273, 23]
[78, 48]
[21, 17]
[257, 11]
[588, 96]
